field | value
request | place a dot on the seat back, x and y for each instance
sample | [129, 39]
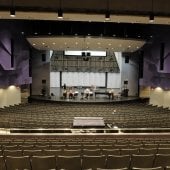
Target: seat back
[2, 163]
[118, 161]
[69, 162]
[43, 162]
[21, 162]
[93, 162]
[142, 161]
[163, 151]
[162, 160]
[155, 168]
[91, 152]
[75, 152]
[12, 153]
[110, 152]
[129, 151]
[147, 151]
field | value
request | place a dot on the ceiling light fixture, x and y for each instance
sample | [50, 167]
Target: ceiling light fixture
[60, 14]
[151, 15]
[107, 14]
[60, 11]
[12, 12]
[12, 9]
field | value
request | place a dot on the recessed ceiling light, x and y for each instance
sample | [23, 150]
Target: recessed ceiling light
[49, 33]
[35, 33]
[139, 36]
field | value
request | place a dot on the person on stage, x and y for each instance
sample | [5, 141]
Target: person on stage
[64, 86]
[111, 94]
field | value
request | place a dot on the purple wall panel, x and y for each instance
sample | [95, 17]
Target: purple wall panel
[18, 75]
[152, 75]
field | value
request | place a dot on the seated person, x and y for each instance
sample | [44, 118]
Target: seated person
[86, 93]
[76, 93]
[111, 94]
[71, 93]
[65, 94]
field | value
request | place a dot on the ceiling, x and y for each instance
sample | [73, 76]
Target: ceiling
[129, 11]
[88, 43]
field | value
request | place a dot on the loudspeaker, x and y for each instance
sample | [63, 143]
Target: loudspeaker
[12, 53]
[126, 59]
[125, 82]
[43, 81]
[88, 54]
[43, 57]
[162, 56]
[30, 62]
[141, 55]
[83, 54]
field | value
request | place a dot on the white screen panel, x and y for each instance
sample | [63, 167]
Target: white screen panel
[114, 80]
[83, 79]
[54, 79]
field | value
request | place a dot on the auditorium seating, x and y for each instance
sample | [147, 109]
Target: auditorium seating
[85, 151]
[61, 115]
[112, 157]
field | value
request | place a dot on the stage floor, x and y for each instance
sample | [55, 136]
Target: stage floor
[78, 99]
[100, 96]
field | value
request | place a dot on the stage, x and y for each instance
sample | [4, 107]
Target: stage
[92, 99]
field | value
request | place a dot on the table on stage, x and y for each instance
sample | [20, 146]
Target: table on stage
[88, 122]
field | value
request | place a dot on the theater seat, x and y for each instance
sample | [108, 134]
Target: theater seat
[21, 162]
[69, 162]
[43, 162]
[93, 162]
[2, 163]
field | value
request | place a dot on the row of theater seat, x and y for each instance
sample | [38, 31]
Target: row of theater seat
[83, 163]
[68, 152]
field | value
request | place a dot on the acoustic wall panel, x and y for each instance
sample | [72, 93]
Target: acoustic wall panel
[54, 79]
[113, 80]
[83, 79]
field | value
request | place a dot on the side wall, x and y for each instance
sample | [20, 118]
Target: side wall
[10, 96]
[40, 72]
